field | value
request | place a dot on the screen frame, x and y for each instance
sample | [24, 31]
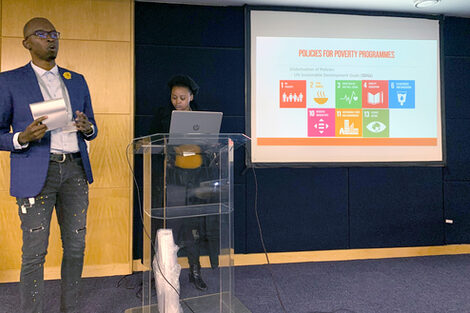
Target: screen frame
[248, 156]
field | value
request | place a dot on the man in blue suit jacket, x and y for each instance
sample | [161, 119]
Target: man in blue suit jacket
[49, 168]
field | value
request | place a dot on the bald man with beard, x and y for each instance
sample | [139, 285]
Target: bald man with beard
[49, 168]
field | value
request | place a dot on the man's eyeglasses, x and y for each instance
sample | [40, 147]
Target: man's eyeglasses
[43, 34]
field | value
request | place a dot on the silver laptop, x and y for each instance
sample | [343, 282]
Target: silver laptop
[194, 123]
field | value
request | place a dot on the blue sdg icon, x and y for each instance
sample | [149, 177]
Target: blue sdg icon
[401, 94]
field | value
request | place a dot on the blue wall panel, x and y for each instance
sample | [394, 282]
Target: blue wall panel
[395, 207]
[219, 73]
[457, 208]
[299, 209]
[456, 32]
[457, 89]
[458, 150]
[308, 208]
[240, 217]
[182, 25]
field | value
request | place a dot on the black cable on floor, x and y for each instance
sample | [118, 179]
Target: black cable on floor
[260, 230]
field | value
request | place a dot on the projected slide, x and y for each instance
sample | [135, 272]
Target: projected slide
[359, 92]
[338, 88]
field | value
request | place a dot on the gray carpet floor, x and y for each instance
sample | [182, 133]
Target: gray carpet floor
[437, 284]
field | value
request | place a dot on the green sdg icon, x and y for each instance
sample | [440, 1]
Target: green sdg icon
[375, 123]
[348, 94]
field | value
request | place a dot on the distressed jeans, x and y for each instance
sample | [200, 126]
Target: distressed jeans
[66, 189]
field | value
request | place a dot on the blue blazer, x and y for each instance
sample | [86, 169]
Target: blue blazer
[18, 89]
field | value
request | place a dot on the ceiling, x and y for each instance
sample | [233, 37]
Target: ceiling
[446, 7]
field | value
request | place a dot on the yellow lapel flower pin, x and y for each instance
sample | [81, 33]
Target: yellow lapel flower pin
[67, 75]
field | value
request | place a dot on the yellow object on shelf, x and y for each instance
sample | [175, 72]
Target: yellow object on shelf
[188, 156]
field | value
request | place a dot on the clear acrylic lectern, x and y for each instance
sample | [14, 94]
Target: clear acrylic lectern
[187, 184]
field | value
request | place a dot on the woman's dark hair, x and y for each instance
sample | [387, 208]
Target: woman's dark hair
[184, 81]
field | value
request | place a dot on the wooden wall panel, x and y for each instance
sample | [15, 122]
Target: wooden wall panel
[75, 19]
[108, 227]
[4, 171]
[13, 54]
[108, 152]
[105, 65]
[10, 237]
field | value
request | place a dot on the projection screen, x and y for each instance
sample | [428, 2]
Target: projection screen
[337, 88]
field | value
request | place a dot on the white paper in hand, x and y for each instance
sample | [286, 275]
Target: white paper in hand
[55, 110]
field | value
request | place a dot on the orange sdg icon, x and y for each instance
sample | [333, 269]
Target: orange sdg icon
[321, 97]
[348, 123]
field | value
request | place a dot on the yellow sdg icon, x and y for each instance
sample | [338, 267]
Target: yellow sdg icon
[67, 75]
[321, 97]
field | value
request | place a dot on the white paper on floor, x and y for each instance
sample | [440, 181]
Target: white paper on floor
[167, 271]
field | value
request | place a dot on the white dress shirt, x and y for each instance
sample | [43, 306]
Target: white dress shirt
[52, 87]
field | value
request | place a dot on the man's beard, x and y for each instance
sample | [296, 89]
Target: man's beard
[52, 57]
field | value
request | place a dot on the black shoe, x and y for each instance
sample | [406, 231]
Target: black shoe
[195, 277]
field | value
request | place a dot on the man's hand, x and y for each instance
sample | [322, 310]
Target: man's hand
[83, 124]
[36, 130]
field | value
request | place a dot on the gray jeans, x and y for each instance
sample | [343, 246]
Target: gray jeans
[66, 189]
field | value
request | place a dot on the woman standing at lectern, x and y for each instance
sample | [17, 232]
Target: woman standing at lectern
[182, 175]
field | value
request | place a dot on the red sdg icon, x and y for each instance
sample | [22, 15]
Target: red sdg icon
[375, 94]
[292, 94]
